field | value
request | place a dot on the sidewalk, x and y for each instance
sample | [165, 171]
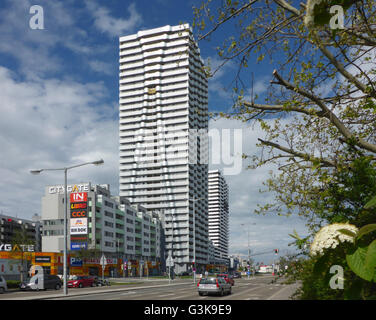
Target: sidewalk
[89, 292]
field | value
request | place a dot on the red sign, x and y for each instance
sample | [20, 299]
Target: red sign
[78, 238]
[78, 197]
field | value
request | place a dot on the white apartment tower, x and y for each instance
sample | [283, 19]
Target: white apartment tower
[163, 97]
[218, 215]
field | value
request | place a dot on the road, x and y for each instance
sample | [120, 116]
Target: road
[257, 288]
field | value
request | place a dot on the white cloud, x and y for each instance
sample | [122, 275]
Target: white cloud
[114, 27]
[271, 231]
[217, 82]
[34, 50]
[102, 67]
[52, 124]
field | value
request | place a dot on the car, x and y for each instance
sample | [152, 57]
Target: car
[49, 282]
[81, 281]
[185, 273]
[228, 278]
[3, 285]
[237, 275]
[213, 285]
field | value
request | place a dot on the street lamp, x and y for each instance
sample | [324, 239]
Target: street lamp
[172, 246]
[194, 237]
[35, 172]
[249, 253]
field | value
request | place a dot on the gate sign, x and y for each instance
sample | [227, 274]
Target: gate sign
[78, 197]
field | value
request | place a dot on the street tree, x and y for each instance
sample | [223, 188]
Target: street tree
[20, 242]
[319, 113]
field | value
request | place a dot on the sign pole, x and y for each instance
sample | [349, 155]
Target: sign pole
[65, 233]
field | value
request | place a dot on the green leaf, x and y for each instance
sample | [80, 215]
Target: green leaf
[370, 260]
[347, 233]
[370, 203]
[356, 261]
[365, 230]
[295, 235]
[321, 265]
[354, 292]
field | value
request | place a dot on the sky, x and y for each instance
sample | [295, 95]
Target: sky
[59, 107]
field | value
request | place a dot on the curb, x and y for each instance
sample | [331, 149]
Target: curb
[62, 296]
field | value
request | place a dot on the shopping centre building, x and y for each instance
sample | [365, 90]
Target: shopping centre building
[97, 224]
[101, 224]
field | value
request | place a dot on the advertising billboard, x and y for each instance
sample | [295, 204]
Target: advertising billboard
[78, 197]
[78, 226]
[78, 245]
[78, 220]
[75, 262]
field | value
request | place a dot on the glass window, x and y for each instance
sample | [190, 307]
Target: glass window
[208, 281]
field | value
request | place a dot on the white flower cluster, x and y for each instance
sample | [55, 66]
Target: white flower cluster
[330, 237]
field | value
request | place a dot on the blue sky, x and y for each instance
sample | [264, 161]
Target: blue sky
[59, 106]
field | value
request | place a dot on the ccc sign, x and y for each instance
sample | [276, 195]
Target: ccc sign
[78, 214]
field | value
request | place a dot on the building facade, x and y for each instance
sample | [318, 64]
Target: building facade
[163, 101]
[22, 231]
[218, 215]
[114, 227]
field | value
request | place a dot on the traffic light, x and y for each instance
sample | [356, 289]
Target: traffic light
[276, 251]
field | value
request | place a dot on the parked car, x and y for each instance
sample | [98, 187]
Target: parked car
[228, 278]
[49, 282]
[81, 281]
[213, 285]
[3, 285]
[185, 273]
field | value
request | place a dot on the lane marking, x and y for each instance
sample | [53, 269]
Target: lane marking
[239, 293]
[127, 293]
[279, 291]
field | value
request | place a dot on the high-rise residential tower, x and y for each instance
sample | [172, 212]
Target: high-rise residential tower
[163, 98]
[218, 215]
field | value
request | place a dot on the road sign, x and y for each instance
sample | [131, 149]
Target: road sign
[103, 260]
[169, 262]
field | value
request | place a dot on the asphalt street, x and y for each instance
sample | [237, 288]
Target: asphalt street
[255, 288]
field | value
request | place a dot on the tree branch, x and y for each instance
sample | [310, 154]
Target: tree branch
[288, 7]
[326, 113]
[339, 66]
[280, 108]
[235, 13]
[298, 154]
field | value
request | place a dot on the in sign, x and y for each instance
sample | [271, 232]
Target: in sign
[78, 197]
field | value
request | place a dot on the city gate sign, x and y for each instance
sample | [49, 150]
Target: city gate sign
[84, 187]
[16, 247]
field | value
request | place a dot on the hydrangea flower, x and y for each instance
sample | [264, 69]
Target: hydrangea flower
[329, 237]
